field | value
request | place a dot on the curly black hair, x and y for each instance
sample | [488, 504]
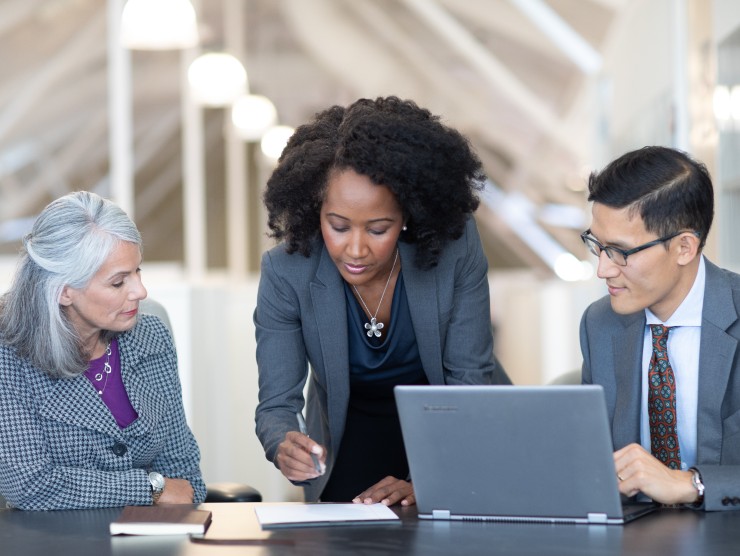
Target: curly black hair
[431, 169]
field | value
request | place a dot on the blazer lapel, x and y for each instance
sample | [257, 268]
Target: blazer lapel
[421, 292]
[716, 354]
[627, 356]
[146, 398]
[327, 295]
[74, 401]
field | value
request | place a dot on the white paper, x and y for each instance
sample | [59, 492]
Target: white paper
[321, 514]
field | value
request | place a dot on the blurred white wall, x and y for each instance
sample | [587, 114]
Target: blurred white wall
[214, 334]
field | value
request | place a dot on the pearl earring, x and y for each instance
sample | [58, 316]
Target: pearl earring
[404, 228]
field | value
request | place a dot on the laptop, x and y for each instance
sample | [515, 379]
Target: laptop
[512, 453]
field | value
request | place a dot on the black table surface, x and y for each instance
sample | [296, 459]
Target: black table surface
[235, 531]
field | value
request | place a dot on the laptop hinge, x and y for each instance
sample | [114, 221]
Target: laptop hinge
[440, 514]
[597, 518]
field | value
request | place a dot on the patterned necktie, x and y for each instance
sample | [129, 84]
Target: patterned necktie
[662, 402]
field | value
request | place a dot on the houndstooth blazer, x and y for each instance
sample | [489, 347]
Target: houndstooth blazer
[60, 447]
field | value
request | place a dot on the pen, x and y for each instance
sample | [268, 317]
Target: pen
[303, 430]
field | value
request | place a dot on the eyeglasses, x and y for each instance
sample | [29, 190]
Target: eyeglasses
[617, 255]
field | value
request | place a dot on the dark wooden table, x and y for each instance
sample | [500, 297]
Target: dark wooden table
[235, 531]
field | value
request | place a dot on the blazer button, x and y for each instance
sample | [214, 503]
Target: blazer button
[119, 449]
[735, 500]
[726, 501]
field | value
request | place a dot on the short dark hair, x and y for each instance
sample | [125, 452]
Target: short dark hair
[430, 168]
[668, 189]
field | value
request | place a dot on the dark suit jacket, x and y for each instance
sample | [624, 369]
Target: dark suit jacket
[61, 448]
[612, 357]
[301, 319]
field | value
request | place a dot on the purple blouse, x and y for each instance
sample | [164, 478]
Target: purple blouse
[109, 385]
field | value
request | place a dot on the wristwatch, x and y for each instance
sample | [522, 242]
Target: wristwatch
[157, 482]
[698, 485]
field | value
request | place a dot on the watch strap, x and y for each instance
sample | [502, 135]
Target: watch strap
[698, 484]
[156, 480]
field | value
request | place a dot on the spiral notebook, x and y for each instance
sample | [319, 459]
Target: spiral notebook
[512, 453]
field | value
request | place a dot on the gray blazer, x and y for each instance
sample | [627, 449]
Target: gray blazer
[612, 357]
[61, 448]
[301, 320]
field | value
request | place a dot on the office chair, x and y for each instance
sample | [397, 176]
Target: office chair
[215, 492]
[570, 377]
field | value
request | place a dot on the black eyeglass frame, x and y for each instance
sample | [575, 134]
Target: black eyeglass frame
[591, 243]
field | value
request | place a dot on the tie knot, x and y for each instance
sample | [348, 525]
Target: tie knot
[659, 331]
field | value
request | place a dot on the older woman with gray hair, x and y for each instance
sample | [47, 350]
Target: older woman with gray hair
[91, 411]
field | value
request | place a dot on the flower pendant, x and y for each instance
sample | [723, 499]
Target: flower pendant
[373, 328]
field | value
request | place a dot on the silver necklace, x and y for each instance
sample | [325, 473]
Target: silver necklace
[106, 370]
[373, 327]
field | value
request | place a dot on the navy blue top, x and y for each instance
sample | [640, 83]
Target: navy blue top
[372, 445]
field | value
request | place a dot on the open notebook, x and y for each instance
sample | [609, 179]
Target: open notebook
[512, 453]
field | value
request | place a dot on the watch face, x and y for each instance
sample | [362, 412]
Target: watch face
[157, 481]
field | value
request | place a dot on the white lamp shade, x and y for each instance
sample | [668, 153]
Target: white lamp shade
[721, 102]
[570, 269]
[217, 79]
[158, 24]
[274, 141]
[252, 116]
[735, 103]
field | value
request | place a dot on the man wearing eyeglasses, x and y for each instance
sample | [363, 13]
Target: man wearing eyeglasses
[664, 342]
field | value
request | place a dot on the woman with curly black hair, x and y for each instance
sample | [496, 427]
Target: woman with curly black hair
[380, 280]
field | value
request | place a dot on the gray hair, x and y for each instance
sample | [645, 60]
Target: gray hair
[69, 242]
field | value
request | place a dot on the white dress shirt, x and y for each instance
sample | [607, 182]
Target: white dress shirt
[683, 354]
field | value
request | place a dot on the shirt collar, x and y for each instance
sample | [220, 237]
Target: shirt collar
[689, 312]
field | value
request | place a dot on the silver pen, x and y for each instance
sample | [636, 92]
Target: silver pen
[304, 430]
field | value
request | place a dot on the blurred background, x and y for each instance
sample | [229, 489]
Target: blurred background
[179, 118]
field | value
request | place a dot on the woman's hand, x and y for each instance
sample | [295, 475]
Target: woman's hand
[389, 491]
[176, 491]
[294, 457]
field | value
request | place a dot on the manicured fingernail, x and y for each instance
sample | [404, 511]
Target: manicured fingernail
[386, 502]
[356, 500]
[316, 449]
[368, 500]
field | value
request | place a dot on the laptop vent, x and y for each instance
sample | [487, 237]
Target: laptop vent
[502, 519]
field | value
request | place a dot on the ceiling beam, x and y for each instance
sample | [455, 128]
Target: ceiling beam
[460, 104]
[562, 35]
[614, 5]
[84, 45]
[56, 170]
[14, 12]
[492, 70]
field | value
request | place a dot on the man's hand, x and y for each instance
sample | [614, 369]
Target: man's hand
[639, 471]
